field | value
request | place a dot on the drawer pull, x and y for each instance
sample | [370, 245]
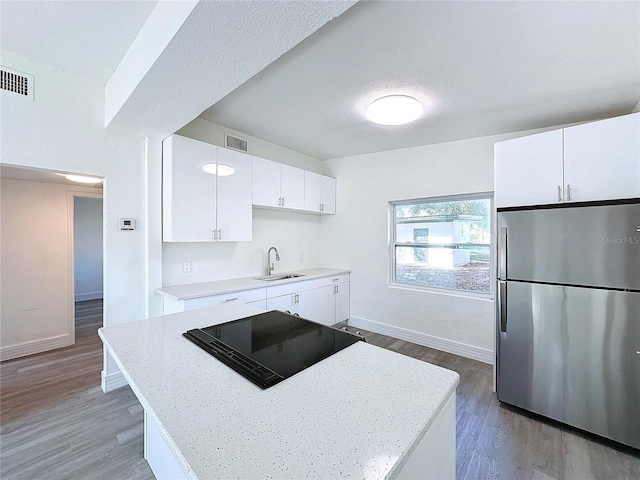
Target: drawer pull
[231, 299]
[336, 279]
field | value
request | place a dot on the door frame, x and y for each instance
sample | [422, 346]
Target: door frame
[71, 196]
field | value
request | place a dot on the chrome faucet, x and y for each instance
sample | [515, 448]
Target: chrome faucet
[270, 266]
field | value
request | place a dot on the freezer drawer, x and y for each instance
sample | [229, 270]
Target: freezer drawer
[584, 246]
[572, 354]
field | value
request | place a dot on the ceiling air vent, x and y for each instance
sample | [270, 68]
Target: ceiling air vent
[234, 142]
[16, 82]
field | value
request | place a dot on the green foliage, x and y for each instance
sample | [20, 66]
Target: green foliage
[474, 208]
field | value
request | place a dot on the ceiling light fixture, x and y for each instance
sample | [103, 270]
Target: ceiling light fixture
[220, 170]
[83, 179]
[394, 110]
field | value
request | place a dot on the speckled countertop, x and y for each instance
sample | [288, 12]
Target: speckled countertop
[205, 289]
[357, 414]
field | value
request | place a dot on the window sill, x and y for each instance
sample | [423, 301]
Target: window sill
[442, 291]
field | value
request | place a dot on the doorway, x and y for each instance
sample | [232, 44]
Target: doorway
[87, 261]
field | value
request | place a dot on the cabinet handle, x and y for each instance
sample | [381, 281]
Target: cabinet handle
[219, 234]
[213, 235]
[568, 192]
[283, 201]
[559, 193]
[335, 289]
[231, 299]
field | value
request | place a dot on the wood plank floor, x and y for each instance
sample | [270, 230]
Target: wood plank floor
[56, 423]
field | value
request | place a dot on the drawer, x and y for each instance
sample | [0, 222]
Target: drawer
[342, 278]
[243, 296]
[291, 287]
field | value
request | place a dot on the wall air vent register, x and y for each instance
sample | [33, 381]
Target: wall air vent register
[236, 143]
[16, 82]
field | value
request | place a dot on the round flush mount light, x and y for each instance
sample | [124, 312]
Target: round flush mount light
[220, 170]
[83, 179]
[394, 110]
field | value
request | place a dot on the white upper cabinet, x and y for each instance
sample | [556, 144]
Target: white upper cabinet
[234, 195]
[312, 191]
[188, 193]
[528, 170]
[200, 206]
[589, 162]
[328, 195]
[602, 159]
[266, 183]
[277, 185]
[292, 187]
[319, 193]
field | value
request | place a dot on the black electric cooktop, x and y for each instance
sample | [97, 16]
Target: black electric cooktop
[272, 346]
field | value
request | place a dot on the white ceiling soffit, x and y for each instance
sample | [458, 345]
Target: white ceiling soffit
[479, 68]
[86, 38]
[219, 46]
[40, 175]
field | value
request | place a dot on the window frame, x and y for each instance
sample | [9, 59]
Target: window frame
[393, 244]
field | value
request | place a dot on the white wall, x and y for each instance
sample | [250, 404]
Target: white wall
[87, 247]
[295, 235]
[63, 130]
[36, 295]
[358, 237]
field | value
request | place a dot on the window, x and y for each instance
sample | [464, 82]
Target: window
[443, 243]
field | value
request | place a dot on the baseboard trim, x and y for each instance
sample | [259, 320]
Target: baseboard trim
[81, 297]
[457, 348]
[35, 346]
[113, 381]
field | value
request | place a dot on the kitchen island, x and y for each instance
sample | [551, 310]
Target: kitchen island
[364, 412]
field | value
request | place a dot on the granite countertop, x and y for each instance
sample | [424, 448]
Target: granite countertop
[356, 414]
[205, 289]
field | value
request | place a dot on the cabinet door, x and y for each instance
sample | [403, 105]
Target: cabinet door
[188, 193]
[234, 219]
[307, 306]
[328, 195]
[283, 303]
[292, 187]
[266, 182]
[342, 302]
[602, 159]
[327, 305]
[528, 170]
[312, 191]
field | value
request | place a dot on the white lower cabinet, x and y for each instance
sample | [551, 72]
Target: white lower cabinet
[295, 297]
[324, 300]
[333, 299]
[256, 296]
[304, 303]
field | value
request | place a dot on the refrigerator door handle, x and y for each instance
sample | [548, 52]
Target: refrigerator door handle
[502, 305]
[502, 252]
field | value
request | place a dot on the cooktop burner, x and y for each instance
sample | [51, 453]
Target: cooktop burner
[272, 346]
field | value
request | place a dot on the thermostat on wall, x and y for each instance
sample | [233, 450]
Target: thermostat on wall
[127, 224]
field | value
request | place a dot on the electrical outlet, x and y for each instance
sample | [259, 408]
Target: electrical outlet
[301, 258]
[186, 267]
[79, 281]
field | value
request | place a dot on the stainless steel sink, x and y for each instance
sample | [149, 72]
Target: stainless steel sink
[272, 278]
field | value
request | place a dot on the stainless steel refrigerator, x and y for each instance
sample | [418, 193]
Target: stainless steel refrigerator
[568, 316]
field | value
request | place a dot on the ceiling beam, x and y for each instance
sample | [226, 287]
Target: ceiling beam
[189, 55]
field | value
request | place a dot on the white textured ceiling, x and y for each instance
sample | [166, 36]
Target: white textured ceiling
[220, 45]
[85, 37]
[481, 68]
